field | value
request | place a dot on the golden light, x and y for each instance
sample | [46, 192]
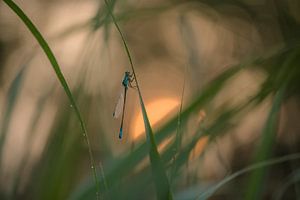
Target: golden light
[157, 111]
[198, 149]
[201, 144]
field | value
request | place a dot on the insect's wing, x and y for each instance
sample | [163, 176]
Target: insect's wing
[119, 106]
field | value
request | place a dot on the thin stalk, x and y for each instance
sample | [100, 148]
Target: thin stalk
[159, 174]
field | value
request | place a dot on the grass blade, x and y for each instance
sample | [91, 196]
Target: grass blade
[40, 108]
[38, 36]
[160, 177]
[178, 138]
[210, 191]
[268, 136]
[12, 97]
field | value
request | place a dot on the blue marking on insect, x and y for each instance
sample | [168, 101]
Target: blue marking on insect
[121, 133]
[127, 79]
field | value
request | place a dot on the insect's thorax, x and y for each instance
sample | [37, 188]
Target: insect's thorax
[125, 81]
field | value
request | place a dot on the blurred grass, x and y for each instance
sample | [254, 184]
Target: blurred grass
[256, 184]
[59, 173]
[12, 97]
[41, 105]
[263, 164]
[291, 180]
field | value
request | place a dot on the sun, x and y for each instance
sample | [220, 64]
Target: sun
[157, 111]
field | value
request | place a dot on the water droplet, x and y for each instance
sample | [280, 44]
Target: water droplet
[71, 105]
[92, 167]
[83, 134]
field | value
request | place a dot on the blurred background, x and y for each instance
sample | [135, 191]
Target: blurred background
[220, 81]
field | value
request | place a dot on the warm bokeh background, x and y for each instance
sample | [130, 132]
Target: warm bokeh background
[180, 49]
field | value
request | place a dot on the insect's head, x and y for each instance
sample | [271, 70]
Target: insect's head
[127, 73]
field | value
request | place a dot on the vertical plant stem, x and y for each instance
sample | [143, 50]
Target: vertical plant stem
[159, 174]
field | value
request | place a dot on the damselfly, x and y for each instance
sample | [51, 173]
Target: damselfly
[120, 107]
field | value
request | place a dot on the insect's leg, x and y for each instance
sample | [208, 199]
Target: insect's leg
[132, 86]
[132, 78]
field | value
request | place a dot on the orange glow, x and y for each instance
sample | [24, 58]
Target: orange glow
[198, 148]
[157, 111]
[201, 143]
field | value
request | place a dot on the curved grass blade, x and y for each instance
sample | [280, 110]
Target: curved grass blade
[159, 174]
[210, 191]
[38, 36]
[268, 136]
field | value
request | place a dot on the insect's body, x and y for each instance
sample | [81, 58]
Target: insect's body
[127, 80]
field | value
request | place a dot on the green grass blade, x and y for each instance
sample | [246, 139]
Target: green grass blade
[268, 136]
[38, 36]
[210, 191]
[160, 177]
[159, 174]
[178, 138]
